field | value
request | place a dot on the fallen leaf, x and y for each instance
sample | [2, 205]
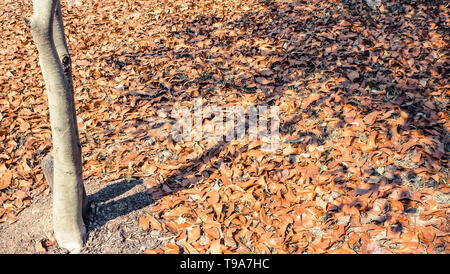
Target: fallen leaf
[144, 222]
[353, 75]
[5, 179]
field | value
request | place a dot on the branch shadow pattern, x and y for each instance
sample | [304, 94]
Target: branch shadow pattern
[107, 209]
[301, 58]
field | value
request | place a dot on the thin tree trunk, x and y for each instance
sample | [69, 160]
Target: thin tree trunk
[59, 38]
[68, 191]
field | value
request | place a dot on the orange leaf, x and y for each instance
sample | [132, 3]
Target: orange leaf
[144, 222]
[188, 247]
[266, 220]
[445, 190]
[427, 236]
[225, 180]
[148, 168]
[416, 158]
[172, 249]
[194, 234]
[212, 232]
[154, 223]
[371, 117]
[262, 80]
[24, 126]
[371, 143]
[154, 251]
[397, 205]
[5, 179]
[311, 98]
[214, 248]
[436, 177]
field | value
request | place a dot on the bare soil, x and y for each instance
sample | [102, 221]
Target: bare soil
[115, 208]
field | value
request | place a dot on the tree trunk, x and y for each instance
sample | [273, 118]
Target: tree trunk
[69, 199]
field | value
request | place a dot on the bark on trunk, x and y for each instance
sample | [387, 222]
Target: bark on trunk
[68, 191]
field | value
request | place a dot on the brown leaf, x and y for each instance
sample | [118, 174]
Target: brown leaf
[155, 224]
[309, 100]
[353, 75]
[144, 222]
[5, 179]
[371, 117]
[194, 234]
[172, 248]
[215, 247]
[189, 248]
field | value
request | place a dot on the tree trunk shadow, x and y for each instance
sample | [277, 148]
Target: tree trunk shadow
[103, 205]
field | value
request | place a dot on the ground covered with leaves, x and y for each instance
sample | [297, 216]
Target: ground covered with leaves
[362, 163]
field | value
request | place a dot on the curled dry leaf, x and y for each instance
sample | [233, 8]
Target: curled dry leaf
[5, 179]
[144, 222]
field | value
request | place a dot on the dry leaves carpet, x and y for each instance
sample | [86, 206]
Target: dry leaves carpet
[362, 166]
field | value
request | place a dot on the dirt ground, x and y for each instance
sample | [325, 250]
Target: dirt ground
[113, 229]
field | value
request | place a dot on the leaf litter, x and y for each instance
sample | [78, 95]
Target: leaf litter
[362, 166]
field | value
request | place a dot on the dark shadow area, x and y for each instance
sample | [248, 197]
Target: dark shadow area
[102, 208]
[113, 190]
[106, 210]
